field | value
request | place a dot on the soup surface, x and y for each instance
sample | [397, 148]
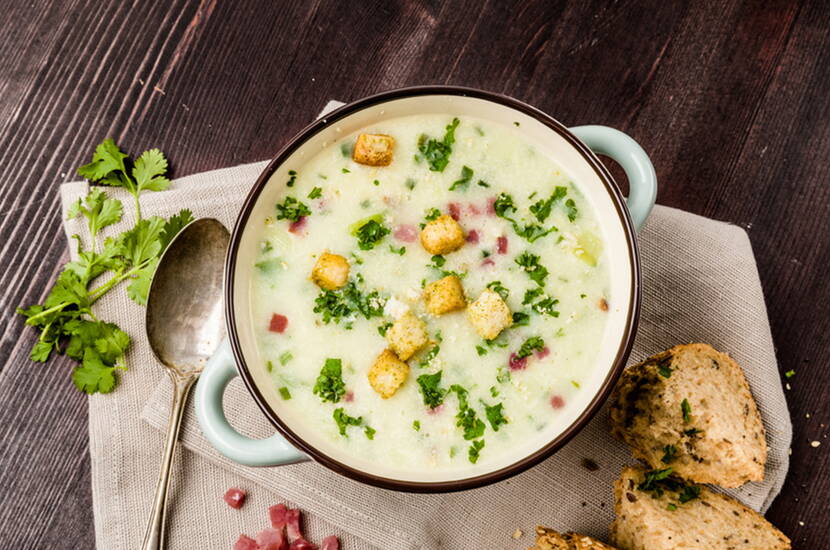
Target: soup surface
[430, 294]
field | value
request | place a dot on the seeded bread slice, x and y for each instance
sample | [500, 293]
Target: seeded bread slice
[652, 517]
[690, 408]
[548, 539]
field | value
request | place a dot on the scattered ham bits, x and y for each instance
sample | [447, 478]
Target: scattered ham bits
[244, 542]
[285, 533]
[472, 236]
[455, 210]
[271, 539]
[278, 323]
[501, 245]
[557, 402]
[517, 363]
[235, 497]
[406, 233]
[330, 543]
[298, 226]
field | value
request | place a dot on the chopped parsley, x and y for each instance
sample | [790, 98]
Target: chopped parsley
[504, 207]
[399, 251]
[534, 343]
[664, 367]
[530, 263]
[346, 302]
[494, 391]
[292, 178]
[691, 432]
[686, 409]
[343, 420]
[345, 171]
[502, 375]
[370, 432]
[269, 365]
[330, 385]
[570, 208]
[466, 418]
[292, 210]
[430, 355]
[689, 492]
[285, 357]
[346, 149]
[370, 232]
[482, 183]
[432, 214]
[540, 302]
[284, 393]
[431, 391]
[494, 414]
[498, 288]
[410, 183]
[658, 482]
[474, 450]
[541, 209]
[438, 261]
[416, 425]
[669, 454]
[383, 328]
[464, 180]
[435, 152]
[521, 319]
[481, 350]
[652, 480]
[671, 507]
[316, 193]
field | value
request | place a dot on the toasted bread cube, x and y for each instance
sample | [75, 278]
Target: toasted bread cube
[489, 315]
[387, 374]
[442, 235]
[373, 149]
[331, 271]
[444, 295]
[407, 335]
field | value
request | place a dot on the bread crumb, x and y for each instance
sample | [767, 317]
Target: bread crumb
[815, 444]
[517, 534]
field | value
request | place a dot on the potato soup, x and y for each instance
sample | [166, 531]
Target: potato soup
[430, 292]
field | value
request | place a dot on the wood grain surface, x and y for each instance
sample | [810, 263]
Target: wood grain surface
[729, 98]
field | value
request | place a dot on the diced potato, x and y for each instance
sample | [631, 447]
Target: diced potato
[373, 149]
[444, 295]
[387, 374]
[489, 315]
[442, 235]
[407, 335]
[331, 271]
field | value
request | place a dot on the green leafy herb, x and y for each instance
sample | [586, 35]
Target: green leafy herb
[475, 450]
[521, 319]
[410, 183]
[502, 375]
[284, 393]
[482, 183]
[432, 214]
[343, 420]
[498, 288]
[416, 425]
[495, 415]
[345, 171]
[431, 391]
[370, 432]
[437, 153]
[285, 357]
[669, 454]
[370, 232]
[691, 432]
[505, 207]
[534, 343]
[316, 193]
[671, 507]
[346, 149]
[292, 210]
[540, 302]
[399, 251]
[570, 208]
[652, 480]
[292, 178]
[494, 392]
[438, 261]
[375, 183]
[541, 209]
[664, 367]
[689, 492]
[686, 409]
[330, 385]
[530, 263]
[348, 301]
[481, 350]
[429, 356]
[466, 418]
[383, 328]
[464, 180]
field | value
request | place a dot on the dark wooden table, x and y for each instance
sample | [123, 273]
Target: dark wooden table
[730, 101]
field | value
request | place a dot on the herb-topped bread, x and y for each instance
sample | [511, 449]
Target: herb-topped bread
[690, 408]
[548, 539]
[658, 512]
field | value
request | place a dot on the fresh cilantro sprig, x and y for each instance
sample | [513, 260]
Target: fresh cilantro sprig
[65, 319]
[505, 207]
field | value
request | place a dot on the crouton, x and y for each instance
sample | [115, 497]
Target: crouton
[407, 335]
[664, 514]
[548, 539]
[442, 235]
[331, 271]
[387, 374]
[690, 408]
[373, 149]
[444, 295]
[489, 315]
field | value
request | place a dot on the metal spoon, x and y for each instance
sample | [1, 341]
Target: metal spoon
[185, 325]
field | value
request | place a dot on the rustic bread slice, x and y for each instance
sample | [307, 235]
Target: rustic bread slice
[666, 514]
[548, 539]
[690, 408]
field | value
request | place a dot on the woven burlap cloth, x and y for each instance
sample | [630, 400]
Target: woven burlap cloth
[700, 283]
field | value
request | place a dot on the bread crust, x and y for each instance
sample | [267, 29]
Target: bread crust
[549, 539]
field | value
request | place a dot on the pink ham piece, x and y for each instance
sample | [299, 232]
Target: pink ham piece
[557, 401]
[488, 262]
[406, 233]
[473, 209]
[330, 543]
[455, 210]
[501, 245]
[279, 515]
[271, 539]
[349, 396]
[472, 236]
[278, 323]
[436, 410]
[298, 226]
[302, 544]
[292, 525]
[517, 363]
[491, 206]
[542, 353]
[235, 498]
[244, 542]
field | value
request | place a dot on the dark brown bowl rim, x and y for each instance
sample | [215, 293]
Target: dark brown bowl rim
[520, 465]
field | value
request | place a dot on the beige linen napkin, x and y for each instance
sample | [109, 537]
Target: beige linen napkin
[700, 284]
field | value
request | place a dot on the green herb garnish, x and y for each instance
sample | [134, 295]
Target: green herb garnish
[669, 454]
[481, 350]
[530, 263]
[474, 450]
[370, 232]
[370, 432]
[399, 251]
[285, 357]
[534, 343]
[686, 409]
[343, 420]
[466, 418]
[330, 385]
[431, 391]
[316, 193]
[498, 288]
[464, 180]
[349, 300]
[437, 153]
[284, 393]
[292, 178]
[429, 356]
[494, 415]
[664, 367]
[416, 425]
[520, 319]
[292, 210]
[383, 328]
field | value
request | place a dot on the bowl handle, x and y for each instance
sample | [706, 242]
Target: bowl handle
[642, 180]
[272, 451]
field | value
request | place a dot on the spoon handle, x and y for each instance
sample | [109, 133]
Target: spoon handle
[154, 536]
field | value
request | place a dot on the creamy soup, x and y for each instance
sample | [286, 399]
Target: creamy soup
[430, 292]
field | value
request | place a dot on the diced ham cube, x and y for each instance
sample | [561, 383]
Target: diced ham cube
[557, 401]
[542, 353]
[279, 515]
[406, 233]
[244, 542]
[501, 245]
[473, 209]
[271, 539]
[278, 323]
[517, 363]
[292, 526]
[472, 236]
[235, 498]
[330, 543]
[349, 396]
[491, 206]
[488, 262]
[302, 544]
[455, 210]
[298, 226]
